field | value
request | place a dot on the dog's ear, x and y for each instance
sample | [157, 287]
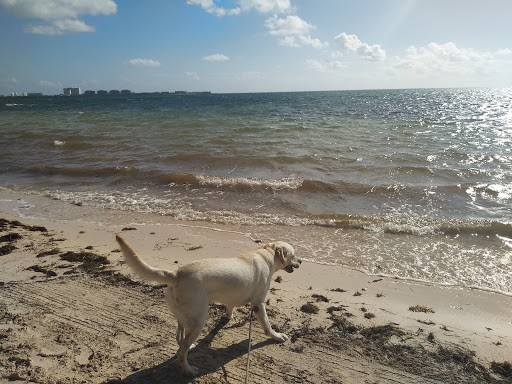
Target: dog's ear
[280, 253]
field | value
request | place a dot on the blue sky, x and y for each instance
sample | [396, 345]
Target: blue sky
[253, 45]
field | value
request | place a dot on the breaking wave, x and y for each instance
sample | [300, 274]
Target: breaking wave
[180, 208]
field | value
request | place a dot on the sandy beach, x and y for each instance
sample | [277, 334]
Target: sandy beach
[71, 311]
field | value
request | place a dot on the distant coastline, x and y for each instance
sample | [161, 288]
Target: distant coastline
[100, 93]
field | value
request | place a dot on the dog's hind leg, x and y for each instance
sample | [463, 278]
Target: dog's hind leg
[228, 315]
[190, 337]
[175, 309]
[261, 315]
[180, 334]
[192, 331]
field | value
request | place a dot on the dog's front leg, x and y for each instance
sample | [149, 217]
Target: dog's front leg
[261, 315]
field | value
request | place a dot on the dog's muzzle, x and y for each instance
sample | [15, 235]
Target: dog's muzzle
[290, 267]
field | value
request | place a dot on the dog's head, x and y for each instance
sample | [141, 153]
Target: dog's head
[284, 254]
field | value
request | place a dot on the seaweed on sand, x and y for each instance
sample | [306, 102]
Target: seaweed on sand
[6, 249]
[382, 333]
[91, 262]
[421, 308]
[53, 251]
[307, 332]
[504, 369]
[10, 237]
[16, 223]
[96, 265]
[320, 298]
[46, 271]
[392, 346]
[310, 308]
[341, 323]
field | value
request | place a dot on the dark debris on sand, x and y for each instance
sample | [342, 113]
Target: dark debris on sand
[392, 346]
[4, 223]
[12, 237]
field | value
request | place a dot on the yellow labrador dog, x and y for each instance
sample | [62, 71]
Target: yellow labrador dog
[233, 282]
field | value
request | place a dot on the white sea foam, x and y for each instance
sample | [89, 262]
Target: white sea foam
[222, 182]
[398, 228]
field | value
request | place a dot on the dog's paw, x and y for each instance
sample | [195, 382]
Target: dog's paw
[190, 371]
[281, 337]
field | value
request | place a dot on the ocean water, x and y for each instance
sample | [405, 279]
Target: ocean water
[415, 184]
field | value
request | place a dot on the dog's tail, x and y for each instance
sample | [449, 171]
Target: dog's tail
[144, 270]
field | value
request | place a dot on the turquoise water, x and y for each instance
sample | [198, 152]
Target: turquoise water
[410, 183]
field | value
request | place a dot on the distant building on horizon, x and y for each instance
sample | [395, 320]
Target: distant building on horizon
[72, 92]
[90, 93]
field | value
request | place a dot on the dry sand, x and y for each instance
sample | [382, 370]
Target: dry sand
[72, 312]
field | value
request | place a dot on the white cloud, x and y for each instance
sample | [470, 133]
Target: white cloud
[139, 62]
[504, 52]
[447, 58]
[265, 6]
[292, 31]
[61, 16]
[192, 75]
[325, 66]
[352, 44]
[215, 58]
[60, 27]
[210, 7]
[315, 43]
[262, 6]
[58, 9]
[289, 26]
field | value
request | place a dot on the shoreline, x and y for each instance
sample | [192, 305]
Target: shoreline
[393, 255]
[473, 326]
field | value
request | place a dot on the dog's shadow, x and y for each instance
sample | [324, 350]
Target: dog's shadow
[203, 357]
